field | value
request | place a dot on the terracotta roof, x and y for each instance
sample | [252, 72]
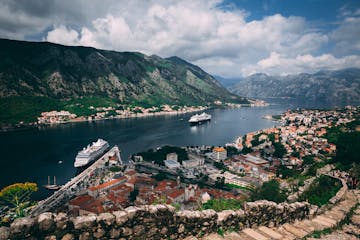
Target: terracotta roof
[80, 200]
[107, 184]
[219, 149]
[174, 193]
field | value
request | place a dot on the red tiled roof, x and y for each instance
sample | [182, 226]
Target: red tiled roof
[80, 200]
[174, 193]
[107, 184]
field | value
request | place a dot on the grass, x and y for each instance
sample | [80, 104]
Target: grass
[230, 185]
[222, 204]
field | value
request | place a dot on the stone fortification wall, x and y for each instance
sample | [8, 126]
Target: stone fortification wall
[154, 222]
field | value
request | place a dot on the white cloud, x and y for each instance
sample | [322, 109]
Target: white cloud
[276, 64]
[63, 35]
[347, 35]
[221, 40]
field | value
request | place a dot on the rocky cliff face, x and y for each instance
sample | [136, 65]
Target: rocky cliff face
[329, 87]
[56, 71]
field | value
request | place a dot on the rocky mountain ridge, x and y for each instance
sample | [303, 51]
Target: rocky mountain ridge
[340, 87]
[57, 71]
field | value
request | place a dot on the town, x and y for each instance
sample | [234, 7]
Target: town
[125, 111]
[190, 177]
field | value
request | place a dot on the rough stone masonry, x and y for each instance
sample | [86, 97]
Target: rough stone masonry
[154, 222]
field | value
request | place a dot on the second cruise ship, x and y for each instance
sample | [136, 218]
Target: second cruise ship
[198, 118]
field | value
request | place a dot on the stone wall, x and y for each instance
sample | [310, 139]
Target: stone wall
[154, 222]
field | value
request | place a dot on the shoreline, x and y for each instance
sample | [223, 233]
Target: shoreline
[24, 126]
[134, 115]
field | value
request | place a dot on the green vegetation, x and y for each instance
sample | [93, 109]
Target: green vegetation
[348, 148]
[220, 166]
[269, 191]
[231, 151]
[285, 172]
[222, 204]
[17, 196]
[246, 150]
[82, 106]
[230, 185]
[133, 195]
[321, 190]
[220, 182]
[159, 155]
[27, 109]
[280, 150]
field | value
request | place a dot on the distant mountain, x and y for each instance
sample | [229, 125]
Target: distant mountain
[339, 88]
[228, 82]
[62, 72]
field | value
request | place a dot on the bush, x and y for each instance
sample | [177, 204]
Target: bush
[269, 191]
[321, 190]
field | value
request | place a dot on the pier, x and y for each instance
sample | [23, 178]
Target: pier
[76, 185]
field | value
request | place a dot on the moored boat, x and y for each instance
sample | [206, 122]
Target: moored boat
[91, 153]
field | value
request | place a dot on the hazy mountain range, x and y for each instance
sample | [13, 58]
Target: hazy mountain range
[340, 87]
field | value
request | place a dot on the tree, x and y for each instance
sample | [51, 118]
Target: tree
[133, 195]
[220, 182]
[270, 191]
[17, 196]
[280, 150]
[231, 151]
[246, 150]
[348, 148]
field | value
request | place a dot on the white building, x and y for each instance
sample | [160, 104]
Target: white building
[219, 153]
[193, 163]
[172, 156]
[172, 164]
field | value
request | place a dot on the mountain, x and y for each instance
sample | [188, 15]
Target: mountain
[56, 71]
[339, 88]
[39, 74]
[227, 82]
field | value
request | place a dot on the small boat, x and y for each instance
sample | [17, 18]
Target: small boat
[52, 186]
[60, 162]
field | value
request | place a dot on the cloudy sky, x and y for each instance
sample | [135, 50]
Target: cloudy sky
[230, 38]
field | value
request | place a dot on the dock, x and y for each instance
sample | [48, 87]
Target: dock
[75, 185]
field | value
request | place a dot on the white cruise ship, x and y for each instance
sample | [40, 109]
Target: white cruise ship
[197, 118]
[91, 153]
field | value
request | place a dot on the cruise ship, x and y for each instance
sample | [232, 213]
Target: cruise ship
[91, 153]
[198, 118]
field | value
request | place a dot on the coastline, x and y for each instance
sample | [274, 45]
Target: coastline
[84, 119]
[23, 126]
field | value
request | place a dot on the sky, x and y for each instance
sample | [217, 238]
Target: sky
[228, 38]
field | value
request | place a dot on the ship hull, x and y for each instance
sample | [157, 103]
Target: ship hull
[192, 123]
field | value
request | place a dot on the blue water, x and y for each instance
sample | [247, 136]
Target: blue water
[33, 154]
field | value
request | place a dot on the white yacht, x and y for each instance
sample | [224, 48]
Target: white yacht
[197, 118]
[91, 153]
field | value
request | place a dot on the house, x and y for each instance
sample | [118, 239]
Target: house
[172, 164]
[96, 190]
[219, 153]
[176, 195]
